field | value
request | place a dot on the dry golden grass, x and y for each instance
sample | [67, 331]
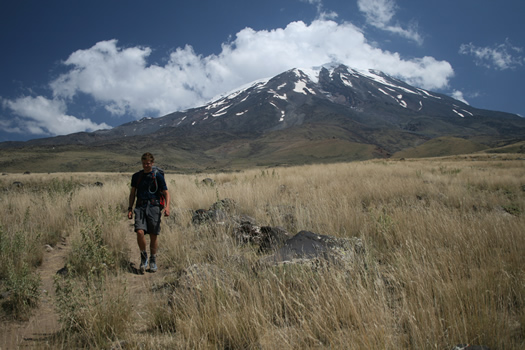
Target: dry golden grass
[444, 258]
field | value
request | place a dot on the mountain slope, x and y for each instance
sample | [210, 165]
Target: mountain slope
[303, 115]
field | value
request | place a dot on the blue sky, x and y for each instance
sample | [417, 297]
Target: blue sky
[70, 66]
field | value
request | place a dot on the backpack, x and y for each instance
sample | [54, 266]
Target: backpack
[155, 170]
[162, 198]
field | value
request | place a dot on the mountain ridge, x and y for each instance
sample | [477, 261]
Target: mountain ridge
[369, 112]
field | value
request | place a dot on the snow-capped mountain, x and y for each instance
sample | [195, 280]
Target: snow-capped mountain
[328, 113]
[301, 96]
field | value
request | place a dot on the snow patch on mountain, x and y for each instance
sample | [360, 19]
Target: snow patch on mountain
[302, 88]
[280, 110]
[312, 74]
[239, 90]
[346, 81]
[461, 115]
[426, 93]
[217, 104]
[181, 120]
[276, 95]
[386, 93]
[221, 111]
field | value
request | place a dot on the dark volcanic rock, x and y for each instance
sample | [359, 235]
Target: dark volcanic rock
[307, 246]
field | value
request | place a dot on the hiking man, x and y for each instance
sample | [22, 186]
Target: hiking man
[148, 186]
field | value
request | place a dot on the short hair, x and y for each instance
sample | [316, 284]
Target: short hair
[148, 156]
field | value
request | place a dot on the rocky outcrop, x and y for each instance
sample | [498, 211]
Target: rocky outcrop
[308, 247]
[219, 212]
[303, 247]
[266, 237]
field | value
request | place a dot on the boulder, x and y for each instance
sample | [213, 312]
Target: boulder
[218, 213]
[245, 229]
[272, 238]
[203, 216]
[306, 246]
[64, 271]
[228, 205]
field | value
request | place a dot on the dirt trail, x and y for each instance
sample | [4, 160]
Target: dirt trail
[43, 323]
[44, 320]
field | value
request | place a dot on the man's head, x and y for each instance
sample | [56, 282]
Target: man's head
[147, 161]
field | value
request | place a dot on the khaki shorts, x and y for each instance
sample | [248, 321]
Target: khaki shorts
[147, 218]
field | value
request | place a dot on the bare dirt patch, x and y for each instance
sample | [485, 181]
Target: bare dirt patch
[43, 323]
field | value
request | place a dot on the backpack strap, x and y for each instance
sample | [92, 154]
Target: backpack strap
[141, 174]
[154, 171]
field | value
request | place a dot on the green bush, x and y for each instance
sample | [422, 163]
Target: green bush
[90, 255]
[19, 280]
[93, 311]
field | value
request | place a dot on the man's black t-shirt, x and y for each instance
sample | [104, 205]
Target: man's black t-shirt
[148, 188]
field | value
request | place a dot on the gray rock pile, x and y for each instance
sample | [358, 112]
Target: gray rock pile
[306, 246]
[284, 247]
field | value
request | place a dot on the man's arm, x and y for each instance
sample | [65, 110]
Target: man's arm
[132, 194]
[167, 207]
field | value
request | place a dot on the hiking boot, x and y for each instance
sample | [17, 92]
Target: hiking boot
[153, 264]
[143, 261]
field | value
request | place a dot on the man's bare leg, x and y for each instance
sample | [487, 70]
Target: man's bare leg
[141, 241]
[153, 244]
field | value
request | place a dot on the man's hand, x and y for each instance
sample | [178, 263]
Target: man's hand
[130, 214]
[167, 211]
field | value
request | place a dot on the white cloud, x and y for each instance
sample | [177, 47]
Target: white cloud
[313, 2]
[458, 95]
[41, 116]
[500, 56]
[121, 80]
[118, 78]
[379, 13]
[321, 14]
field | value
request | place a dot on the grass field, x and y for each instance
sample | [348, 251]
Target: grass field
[443, 260]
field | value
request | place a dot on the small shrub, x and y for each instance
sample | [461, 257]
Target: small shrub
[23, 289]
[20, 281]
[90, 255]
[60, 187]
[446, 171]
[93, 312]
[512, 209]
